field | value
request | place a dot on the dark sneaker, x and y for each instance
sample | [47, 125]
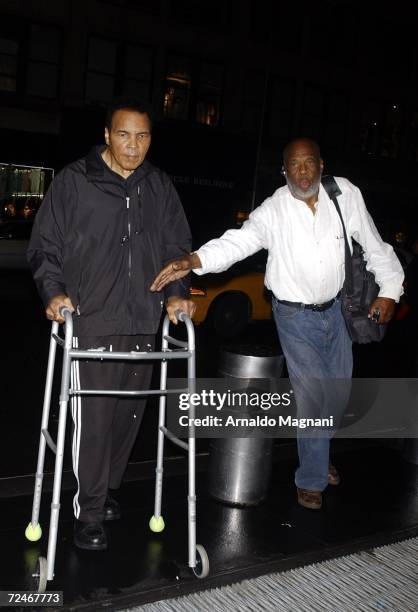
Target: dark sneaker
[89, 536]
[111, 509]
[309, 499]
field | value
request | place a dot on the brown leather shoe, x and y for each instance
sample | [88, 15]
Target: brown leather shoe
[309, 499]
[333, 475]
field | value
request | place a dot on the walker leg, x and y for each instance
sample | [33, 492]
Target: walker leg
[198, 558]
[191, 503]
[156, 522]
[191, 498]
[33, 531]
[55, 506]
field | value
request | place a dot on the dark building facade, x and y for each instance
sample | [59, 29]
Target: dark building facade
[230, 82]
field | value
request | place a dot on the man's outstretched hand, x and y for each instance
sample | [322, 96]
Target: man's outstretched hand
[176, 269]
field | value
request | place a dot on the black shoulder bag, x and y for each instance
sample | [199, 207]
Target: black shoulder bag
[360, 288]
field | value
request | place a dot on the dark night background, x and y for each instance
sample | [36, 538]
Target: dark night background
[219, 76]
[230, 83]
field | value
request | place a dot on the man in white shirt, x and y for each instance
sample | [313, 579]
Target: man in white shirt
[300, 228]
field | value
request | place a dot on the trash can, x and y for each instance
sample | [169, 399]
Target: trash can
[240, 468]
[410, 450]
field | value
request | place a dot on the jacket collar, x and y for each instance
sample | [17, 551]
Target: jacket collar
[97, 169]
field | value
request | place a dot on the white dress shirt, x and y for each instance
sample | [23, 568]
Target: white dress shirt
[305, 250]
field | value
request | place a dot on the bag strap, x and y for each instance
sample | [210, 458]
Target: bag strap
[330, 185]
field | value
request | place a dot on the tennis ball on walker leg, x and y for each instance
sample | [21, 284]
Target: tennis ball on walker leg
[33, 533]
[156, 524]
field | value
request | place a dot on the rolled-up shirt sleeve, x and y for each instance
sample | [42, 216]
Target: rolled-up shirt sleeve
[380, 256]
[219, 254]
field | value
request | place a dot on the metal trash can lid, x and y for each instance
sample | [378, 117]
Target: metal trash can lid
[251, 361]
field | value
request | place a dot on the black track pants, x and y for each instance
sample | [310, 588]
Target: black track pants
[105, 428]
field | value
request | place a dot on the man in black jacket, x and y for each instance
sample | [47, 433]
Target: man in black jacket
[108, 223]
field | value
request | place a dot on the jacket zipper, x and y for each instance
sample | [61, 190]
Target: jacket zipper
[129, 240]
[129, 258]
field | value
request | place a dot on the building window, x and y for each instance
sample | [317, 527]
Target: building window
[9, 49]
[177, 88]
[115, 69]
[101, 68]
[193, 90]
[44, 60]
[137, 74]
[209, 94]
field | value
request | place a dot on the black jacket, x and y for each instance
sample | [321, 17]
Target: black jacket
[101, 240]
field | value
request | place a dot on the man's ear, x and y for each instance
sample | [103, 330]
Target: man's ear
[106, 135]
[321, 165]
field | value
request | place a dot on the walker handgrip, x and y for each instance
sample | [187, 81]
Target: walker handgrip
[180, 315]
[63, 310]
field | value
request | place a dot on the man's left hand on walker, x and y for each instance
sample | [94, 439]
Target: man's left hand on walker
[175, 303]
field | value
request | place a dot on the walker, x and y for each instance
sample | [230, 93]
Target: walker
[198, 558]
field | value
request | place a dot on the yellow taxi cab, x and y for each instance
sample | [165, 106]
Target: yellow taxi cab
[228, 301]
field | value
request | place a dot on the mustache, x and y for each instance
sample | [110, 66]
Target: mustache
[313, 188]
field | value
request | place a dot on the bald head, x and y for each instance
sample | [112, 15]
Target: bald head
[301, 142]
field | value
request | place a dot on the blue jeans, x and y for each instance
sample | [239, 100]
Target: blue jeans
[319, 358]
